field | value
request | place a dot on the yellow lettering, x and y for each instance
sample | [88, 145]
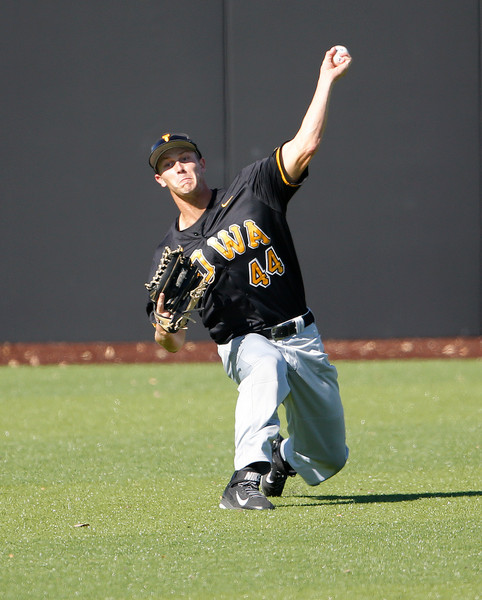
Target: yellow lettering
[228, 244]
[198, 256]
[255, 235]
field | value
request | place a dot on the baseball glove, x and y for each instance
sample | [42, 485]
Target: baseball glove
[182, 285]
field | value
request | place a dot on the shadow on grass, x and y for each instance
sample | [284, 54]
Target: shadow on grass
[378, 498]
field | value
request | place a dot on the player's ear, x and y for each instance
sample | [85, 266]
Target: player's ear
[202, 162]
[160, 180]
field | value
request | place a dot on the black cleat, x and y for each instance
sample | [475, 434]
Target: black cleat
[242, 492]
[273, 483]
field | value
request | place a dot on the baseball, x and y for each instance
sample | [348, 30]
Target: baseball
[341, 51]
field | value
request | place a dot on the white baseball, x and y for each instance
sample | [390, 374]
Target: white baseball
[341, 52]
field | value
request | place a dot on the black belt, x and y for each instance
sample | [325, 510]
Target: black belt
[278, 332]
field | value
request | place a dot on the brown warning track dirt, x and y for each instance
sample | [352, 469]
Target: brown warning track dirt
[15, 354]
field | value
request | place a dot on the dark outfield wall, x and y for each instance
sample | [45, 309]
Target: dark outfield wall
[387, 226]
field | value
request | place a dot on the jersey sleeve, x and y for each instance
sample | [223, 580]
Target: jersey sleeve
[271, 183]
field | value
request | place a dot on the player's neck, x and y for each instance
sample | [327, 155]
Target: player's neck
[192, 207]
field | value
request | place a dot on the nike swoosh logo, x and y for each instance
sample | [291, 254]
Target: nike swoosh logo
[224, 204]
[240, 500]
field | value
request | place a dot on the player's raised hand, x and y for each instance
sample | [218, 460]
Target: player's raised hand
[336, 62]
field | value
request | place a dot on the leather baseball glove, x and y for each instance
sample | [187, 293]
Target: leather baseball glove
[182, 285]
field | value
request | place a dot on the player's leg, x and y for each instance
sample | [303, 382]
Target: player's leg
[316, 447]
[260, 370]
[261, 373]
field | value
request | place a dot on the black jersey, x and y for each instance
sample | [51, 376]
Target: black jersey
[243, 246]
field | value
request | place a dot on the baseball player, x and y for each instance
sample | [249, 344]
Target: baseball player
[254, 305]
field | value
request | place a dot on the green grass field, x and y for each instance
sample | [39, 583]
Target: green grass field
[141, 461]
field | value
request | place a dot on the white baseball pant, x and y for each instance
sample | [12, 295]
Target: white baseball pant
[294, 371]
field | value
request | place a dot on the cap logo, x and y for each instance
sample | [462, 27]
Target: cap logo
[166, 137]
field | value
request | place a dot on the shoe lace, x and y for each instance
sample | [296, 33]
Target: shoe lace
[251, 488]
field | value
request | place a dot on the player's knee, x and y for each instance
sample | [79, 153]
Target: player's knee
[329, 466]
[340, 463]
[339, 459]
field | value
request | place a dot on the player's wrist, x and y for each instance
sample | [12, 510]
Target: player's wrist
[172, 342]
[162, 320]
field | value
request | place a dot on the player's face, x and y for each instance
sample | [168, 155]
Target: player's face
[181, 171]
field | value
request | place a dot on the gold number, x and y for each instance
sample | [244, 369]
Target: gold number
[274, 266]
[256, 274]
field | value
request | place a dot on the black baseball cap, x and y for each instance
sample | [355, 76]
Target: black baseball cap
[168, 141]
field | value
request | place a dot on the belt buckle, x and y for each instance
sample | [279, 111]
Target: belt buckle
[278, 332]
